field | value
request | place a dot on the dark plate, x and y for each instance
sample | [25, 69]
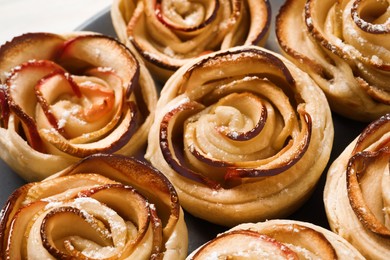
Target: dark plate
[201, 231]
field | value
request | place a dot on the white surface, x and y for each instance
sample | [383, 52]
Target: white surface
[57, 16]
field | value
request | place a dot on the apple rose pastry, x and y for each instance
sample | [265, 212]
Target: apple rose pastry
[169, 33]
[345, 47]
[103, 207]
[277, 239]
[66, 97]
[242, 134]
[357, 191]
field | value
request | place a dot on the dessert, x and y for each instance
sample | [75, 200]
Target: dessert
[277, 239]
[242, 134]
[64, 97]
[170, 33]
[345, 47]
[103, 207]
[356, 195]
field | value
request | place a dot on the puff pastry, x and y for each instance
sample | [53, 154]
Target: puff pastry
[103, 207]
[65, 97]
[277, 239]
[242, 134]
[169, 33]
[345, 47]
[357, 191]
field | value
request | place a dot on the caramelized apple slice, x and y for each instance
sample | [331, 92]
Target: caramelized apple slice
[171, 151]
[367, 172]
[15, 247]
[24, 48]
[298, 236]
[92, 51]
[21, 98]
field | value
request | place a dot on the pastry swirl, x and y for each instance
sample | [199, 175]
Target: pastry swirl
[345, 47]
[65, 97]
[238, 131]
[170, 33]
[281, 239]
[103, 207]
[356, 195]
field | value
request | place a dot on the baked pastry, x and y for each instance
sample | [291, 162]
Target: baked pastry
[345, 47]
[242, 134]
[168, 34]
[357, 191]
[103, 207]
[277, 239]
[64, 97]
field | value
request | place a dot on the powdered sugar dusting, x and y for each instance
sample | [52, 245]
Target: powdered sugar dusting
[105, 69]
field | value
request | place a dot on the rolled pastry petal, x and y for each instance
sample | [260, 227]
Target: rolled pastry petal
[64, 97]
[345, 47]
[103, 207]
[356, 195]
[243, 135]
[276, 239]
[169, 33]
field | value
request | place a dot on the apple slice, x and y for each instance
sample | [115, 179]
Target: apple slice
[137, 174]
[244, 244]
[172, 150]
[122, 132]
[28, 47]
[373, 31]
[366, 174]
[20, 223]
[227, 131]
[93, 51]
[245, 102]
[103, 223]
[160, 192]
[274, 239]
[59, 84]
[20, 95]
[4, 108]
[78, 105]
[286, 158]
[140, 212]
[300, 237]
[21, 84]
[188, 16]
